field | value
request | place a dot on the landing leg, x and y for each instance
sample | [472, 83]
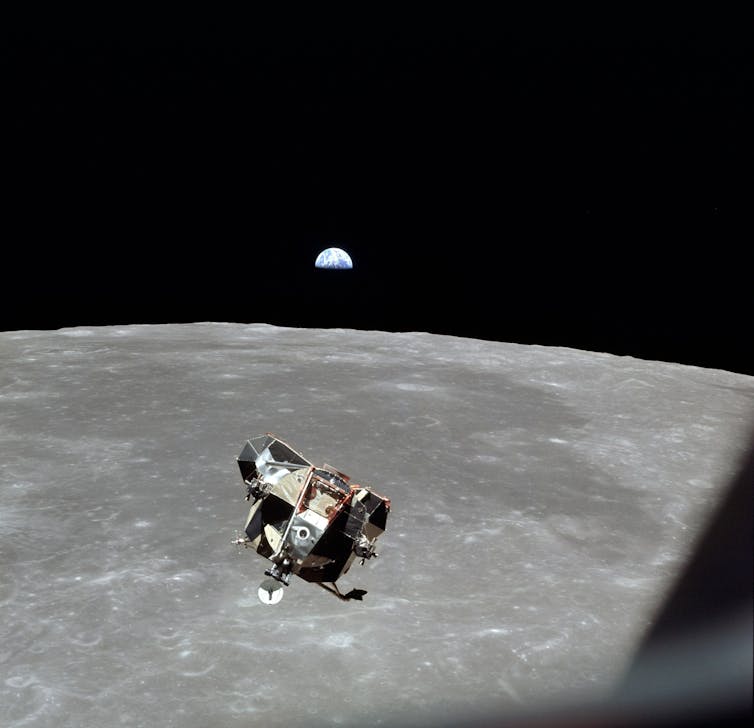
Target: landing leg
[353, 594]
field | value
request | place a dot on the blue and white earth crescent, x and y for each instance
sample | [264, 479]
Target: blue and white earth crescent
[334, 258]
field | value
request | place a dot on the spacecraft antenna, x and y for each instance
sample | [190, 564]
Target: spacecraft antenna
[270, 591]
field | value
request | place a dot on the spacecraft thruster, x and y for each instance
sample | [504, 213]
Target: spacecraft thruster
[307, 520]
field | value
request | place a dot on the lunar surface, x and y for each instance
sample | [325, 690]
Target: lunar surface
[543, 500]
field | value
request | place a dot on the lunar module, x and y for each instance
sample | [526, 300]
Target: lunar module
[307, 520]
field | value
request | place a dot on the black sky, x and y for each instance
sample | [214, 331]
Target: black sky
[554, 177]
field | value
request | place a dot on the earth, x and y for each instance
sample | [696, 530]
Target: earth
[336, 258]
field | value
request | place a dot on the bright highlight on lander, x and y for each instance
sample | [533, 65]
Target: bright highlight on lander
[307, 520]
